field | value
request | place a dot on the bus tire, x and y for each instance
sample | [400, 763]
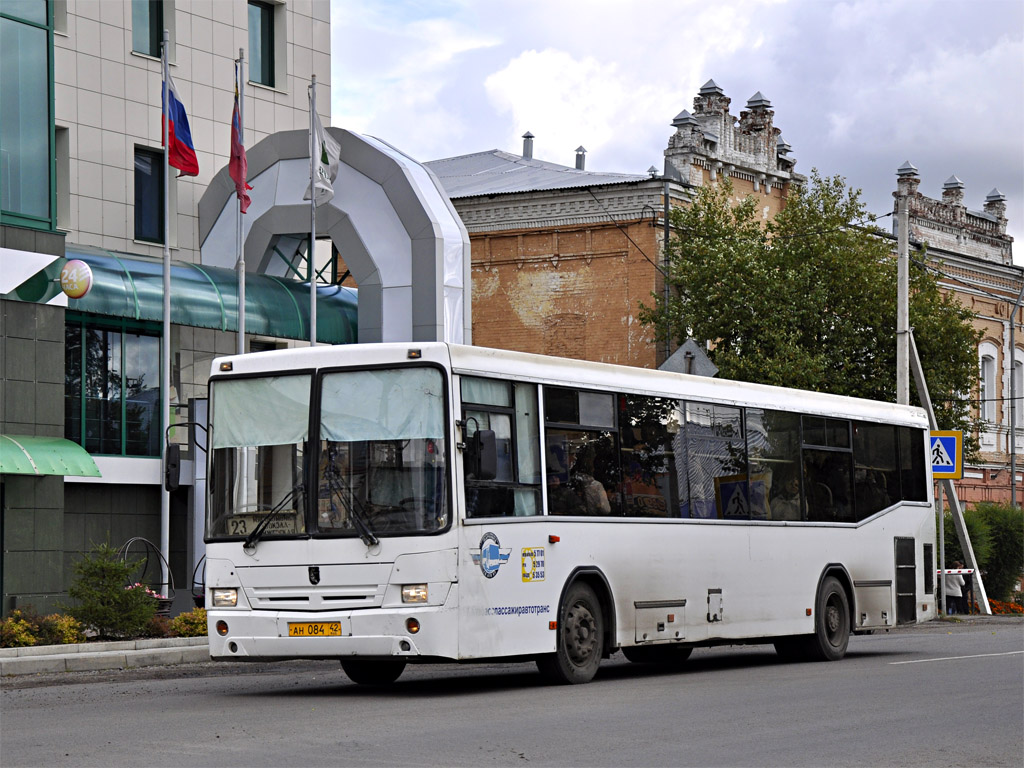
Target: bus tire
[665, 655]
[580, 641]
[366, 672]
[831, 623]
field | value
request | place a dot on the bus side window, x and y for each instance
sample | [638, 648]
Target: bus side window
[509, 409]
[647, 426]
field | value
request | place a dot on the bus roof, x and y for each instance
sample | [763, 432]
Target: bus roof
[542, 369]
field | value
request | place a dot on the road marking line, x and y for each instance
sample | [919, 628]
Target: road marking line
[953, 658]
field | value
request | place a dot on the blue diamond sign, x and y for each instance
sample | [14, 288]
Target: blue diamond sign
[946, 449]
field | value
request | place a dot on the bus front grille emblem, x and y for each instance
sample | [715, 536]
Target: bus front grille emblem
[314, 574]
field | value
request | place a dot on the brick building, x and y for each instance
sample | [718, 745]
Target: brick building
[973, 255]
[563, 257]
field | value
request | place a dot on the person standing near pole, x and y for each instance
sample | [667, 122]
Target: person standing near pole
[954, 586]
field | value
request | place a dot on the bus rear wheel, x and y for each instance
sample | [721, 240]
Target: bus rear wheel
[365, 672]
[665, 655]
[580, 643]
[831, 628]
[832, 623]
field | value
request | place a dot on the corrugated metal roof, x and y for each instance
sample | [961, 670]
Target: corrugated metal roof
[496, 172]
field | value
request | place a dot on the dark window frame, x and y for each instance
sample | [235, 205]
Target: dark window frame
[145, 209]
[261, 44]
[153, 10]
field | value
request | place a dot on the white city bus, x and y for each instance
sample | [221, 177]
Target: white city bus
[383, 504]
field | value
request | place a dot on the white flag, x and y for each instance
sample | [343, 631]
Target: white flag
[326, 164]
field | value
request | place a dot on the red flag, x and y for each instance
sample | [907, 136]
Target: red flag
[238, 166]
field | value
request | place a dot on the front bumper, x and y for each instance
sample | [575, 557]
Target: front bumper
[263, 635]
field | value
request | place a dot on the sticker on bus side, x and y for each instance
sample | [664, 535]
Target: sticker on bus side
[490, 556]
[533, 564]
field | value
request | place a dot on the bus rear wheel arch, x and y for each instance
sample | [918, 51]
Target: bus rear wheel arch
[832, 626]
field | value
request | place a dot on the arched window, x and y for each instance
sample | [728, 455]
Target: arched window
[989, 387]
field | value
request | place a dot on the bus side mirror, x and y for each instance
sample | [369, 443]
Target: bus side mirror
[172, 468]
[484, 453]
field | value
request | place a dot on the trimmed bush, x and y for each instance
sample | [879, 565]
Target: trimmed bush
[59, 629]
[997, 537]
[190, 624]
[17, 631]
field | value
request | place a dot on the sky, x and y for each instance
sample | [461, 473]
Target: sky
[858, 87]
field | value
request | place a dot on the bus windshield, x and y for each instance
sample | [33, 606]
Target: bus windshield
[381, 466]
[260, 429]
[380, 460]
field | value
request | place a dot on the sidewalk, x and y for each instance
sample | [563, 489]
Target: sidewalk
[123, 654]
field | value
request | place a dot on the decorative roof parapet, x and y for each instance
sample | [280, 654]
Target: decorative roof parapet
[948, 225]
[711, 135]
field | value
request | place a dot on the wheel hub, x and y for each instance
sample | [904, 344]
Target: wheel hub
[581, 637]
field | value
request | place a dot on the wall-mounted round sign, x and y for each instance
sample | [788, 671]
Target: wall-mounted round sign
[76, 279]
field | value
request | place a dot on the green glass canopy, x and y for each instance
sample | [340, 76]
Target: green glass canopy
[131, 286]
[30, 455]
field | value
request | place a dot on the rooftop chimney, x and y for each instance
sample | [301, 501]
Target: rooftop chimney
[581, 157]
[527, 146]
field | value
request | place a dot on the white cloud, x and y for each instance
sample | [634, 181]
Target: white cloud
[857, 86]
[566, 101]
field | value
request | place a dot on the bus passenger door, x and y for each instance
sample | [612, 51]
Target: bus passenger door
[906, 581]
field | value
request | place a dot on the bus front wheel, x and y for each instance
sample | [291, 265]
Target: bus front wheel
[580, 643]
[364, 672]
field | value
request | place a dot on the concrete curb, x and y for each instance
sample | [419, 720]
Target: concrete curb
[124, 654]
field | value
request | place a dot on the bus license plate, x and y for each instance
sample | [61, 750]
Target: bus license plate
[314, 629]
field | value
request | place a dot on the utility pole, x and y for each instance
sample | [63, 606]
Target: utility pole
[903, 175]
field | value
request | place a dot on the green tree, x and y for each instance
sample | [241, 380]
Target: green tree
[106, 599]
[808, 299]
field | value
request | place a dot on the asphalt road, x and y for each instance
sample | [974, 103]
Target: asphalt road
[941, 694]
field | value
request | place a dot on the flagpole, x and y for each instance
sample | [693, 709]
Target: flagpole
[240, 85]
[165, 348]
[312, 213]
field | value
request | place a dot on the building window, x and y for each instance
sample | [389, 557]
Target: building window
[25, 103]
[989, 391]
[261, 43]
[1018, 386]
[147, 26]
[112, 389]
[149, 195]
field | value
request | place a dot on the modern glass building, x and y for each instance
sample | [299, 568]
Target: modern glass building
[81, 178]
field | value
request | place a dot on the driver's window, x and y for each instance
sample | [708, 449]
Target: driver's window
[509, 409]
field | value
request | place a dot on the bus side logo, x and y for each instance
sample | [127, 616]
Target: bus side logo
[490, 556]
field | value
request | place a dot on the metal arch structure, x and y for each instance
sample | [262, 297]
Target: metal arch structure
[390, 219]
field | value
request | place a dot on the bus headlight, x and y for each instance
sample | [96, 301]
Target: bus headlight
[225, 598]
[414, 593]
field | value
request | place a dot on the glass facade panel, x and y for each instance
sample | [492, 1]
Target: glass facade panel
[142, 394]
[112, 395]
[25, 109]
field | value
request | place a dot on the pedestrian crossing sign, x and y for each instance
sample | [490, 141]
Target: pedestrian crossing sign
[947, 454]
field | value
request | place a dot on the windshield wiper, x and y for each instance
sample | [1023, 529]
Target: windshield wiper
[257, 532]
[356, 511]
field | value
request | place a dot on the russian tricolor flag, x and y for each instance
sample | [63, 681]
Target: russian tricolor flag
[181, 152]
